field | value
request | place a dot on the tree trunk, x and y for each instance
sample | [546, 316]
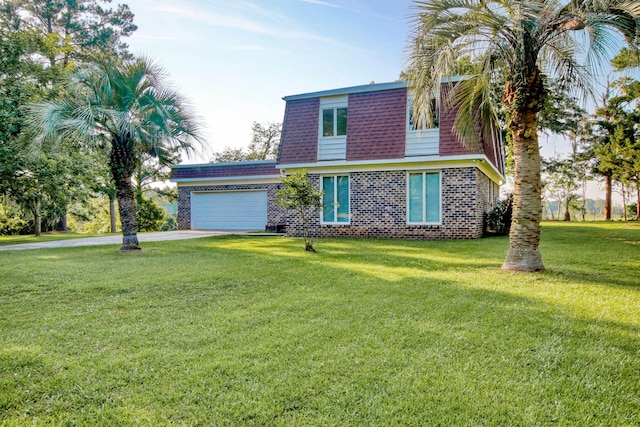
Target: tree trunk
[128, 219]
[112, 214]
[122, 165]
[37, 219]
[567, 214]
[637, 200]
[624, 203]
[524, 237]
[62, 223]
[607, 198]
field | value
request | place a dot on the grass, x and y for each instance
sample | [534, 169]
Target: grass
[239, 330]
[45, 237]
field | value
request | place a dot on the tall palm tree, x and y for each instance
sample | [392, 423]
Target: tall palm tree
[124, 109]
[564, 39]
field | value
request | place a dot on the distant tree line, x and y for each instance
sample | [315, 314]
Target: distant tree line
[605, 147]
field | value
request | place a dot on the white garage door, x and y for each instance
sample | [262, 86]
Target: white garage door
[233, 210]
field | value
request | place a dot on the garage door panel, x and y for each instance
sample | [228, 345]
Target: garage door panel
[237, 210]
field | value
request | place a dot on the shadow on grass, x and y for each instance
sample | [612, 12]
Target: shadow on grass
[258, 331]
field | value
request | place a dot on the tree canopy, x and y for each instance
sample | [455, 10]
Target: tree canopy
[522, 40]
[125, 109]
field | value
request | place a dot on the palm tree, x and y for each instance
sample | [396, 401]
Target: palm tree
[124, 109]
[567, 40]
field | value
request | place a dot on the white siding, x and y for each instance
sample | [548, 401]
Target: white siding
[232, 210]
[334, 148]
[423, 142]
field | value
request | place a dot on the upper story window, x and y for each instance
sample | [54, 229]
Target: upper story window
[332, 132]
[414, 124]
[334, 121]
[423, 136]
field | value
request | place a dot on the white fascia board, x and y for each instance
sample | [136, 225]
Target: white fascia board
[373, 87]
[241, 180]
[215, 164]
[479, 161]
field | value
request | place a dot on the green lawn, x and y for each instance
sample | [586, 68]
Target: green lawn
[45, 237]
[241, 330]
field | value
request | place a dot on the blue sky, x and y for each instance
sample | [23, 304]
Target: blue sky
[235, 60]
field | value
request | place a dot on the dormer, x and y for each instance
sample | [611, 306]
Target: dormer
[423, 135]
[332, 132]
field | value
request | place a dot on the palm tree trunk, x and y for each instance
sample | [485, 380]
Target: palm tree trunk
[127, 209]
[122, 167]
[524, 237]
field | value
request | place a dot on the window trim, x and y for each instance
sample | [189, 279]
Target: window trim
[424, 201]
[335, 195]
[335, 122]
[411, 127]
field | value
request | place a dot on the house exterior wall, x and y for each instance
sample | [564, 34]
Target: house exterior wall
[299, 138]
[378, 207]
[377, 124]
[276, 215]
[450, 144]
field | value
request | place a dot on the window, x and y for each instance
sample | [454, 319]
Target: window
[425, 124]
[423, 197]
[335, 199]
[334, 122]
[332, 128]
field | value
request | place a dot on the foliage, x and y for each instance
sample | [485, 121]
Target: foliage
[518, 40]
[367, 332]
[91, 216]
[498, 219]
[301, 196]
[151, 216]
[41, 42]
[561, 181]
[264, 145]
[70, 30]
[125, 109]
[627, 58]
[561, 113]
[612, 141]
[12, 221]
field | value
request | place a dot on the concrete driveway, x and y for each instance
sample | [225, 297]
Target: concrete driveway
[117, 239]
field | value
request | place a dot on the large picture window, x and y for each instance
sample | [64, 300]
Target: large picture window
[335, 199]
[334, 122]
[424, 197]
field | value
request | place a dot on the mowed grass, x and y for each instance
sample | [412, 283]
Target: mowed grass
[45, 237]
[254, 331]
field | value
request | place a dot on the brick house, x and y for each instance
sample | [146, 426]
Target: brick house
[380, 175]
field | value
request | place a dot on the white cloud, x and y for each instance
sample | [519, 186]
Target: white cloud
[324, 3]
[238, 23]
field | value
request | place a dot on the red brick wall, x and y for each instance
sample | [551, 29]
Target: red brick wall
[299, 139]
[376, 128]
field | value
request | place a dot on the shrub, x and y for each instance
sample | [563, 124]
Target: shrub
[12, 220]
[498, 219]
[151, 216]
